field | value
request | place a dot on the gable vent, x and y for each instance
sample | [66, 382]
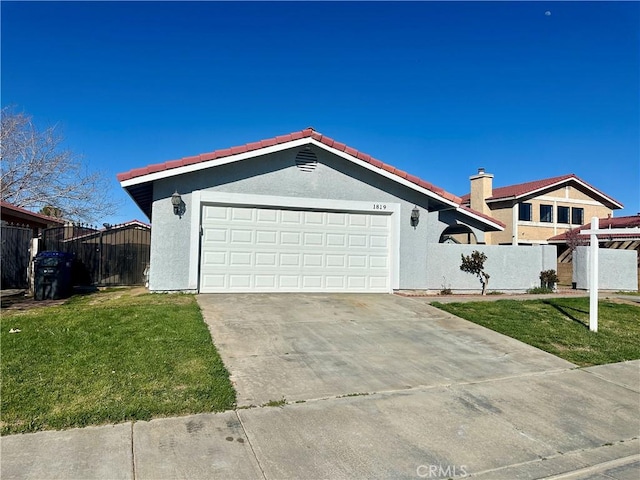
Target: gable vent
[306, 160]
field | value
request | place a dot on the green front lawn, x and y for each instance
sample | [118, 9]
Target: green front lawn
[561, 326]
[108, 357]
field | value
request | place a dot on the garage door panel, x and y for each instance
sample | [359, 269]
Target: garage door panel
[215, 258]
[213, 281]
[290, 238]
[313, 240]
[336, 282]
[265, 281]
[290, 217]
[357, 240]
[289, 282]
[213, 235]
[266, 259]
[241, 236]
[298, 251]
[336, 240]
[378, 282]
[356, 282]
[313, 218]
[357, 220]
[312, 281]
[239, 259]
[336, 219]
[216, 213]
[379, 241]
[379, 221]
[266, 237]
[242, 214]
[312, 260]
[378, 262]
[240, 281]
[337, 261]
[267, 216]
[289, 260]
[357, 261]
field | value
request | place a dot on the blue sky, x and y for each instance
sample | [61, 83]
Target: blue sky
[435, 88]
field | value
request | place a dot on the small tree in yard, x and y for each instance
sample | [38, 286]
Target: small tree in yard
[474, 264]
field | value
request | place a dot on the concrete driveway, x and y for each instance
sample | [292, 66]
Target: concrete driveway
[312, 346]
[378, 386]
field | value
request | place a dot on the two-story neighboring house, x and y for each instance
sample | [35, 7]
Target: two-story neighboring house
[533, 212]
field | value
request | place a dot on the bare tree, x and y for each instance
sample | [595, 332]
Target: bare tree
[576, 239]
[39, 173]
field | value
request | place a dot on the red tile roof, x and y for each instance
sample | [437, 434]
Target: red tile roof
[611, 222]
[521, 189]
[306, 133]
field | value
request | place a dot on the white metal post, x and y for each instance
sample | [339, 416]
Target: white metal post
[593, 276]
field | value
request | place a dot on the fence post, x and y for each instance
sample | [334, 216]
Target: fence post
[33, 251]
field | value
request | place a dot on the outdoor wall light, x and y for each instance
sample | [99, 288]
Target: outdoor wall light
[176, 201]
[415, 217]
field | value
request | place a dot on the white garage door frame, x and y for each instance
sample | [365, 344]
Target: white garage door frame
[202, 197]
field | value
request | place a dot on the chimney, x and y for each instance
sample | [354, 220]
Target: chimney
[481, 189]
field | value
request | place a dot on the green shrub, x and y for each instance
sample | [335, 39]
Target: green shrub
[539, 290]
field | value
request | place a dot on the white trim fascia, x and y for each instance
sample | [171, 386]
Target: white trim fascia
[194, 240]
[292, 144]
[201, 197]
[479, 218]
[150, 177]
[557, 184]
[514, 223]
[544, 198]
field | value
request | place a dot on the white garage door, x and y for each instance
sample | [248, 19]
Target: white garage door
[247, 249]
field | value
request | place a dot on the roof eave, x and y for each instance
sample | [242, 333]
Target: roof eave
[307, 140]
[602, 196]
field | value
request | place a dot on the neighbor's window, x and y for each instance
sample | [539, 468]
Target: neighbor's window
[546, 213]
[563, 214]
[577, 216]
[524, 212]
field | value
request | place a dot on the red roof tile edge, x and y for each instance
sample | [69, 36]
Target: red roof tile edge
[10, 206]
[306, 133]
[482, 215]
[520, 189]
[611, 222]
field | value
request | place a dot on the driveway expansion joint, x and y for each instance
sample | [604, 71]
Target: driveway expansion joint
[253, 451]
[133, 455]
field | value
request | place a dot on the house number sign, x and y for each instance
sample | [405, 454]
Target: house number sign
[379, 206]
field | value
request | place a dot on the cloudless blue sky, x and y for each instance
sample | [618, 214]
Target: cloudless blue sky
[435, 88]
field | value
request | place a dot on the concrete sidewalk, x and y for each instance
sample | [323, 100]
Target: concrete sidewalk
[571, 424]
[378, 386]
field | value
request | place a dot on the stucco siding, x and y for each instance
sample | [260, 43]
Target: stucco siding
[511, 268]
[277, 175]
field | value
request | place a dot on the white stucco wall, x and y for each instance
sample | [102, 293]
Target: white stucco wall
[617, 269]
[276, 175]
[511, 268]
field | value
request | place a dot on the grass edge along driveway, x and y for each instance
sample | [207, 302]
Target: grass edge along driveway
[560, 326]
[108, 357]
